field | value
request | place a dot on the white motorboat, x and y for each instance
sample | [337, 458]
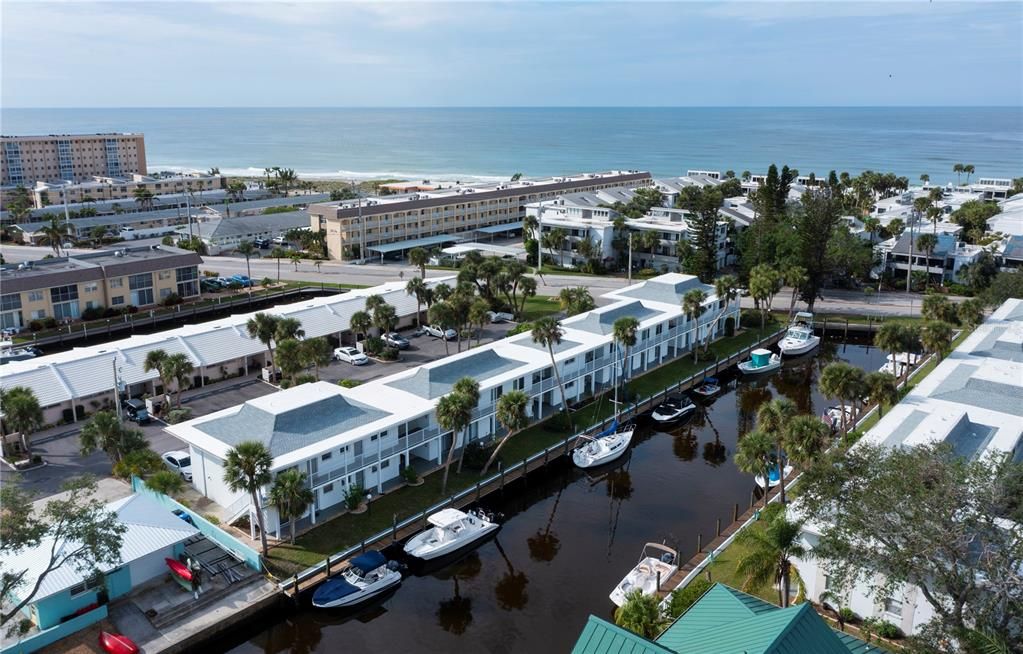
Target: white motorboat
[367, 576]
[761, 361]
[799, 339]
[656, 564]
[603, 448]
[452, 530]
[832, 417]
[708, 388]
[673, 409]
[899, 364]
[8, 352]
[773, 478]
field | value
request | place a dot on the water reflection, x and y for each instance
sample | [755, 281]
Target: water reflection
[511, 588]
[684, 444]
[714, 452]
[454, 614]
[544, 545]
[748, 398]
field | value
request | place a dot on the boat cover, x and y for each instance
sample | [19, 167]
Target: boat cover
[446, 517]
[333, 589]
[610, 430]
[761, 357]
[369, 561]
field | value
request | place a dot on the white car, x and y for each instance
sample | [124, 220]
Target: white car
[500, 316]
[179, 462]
[350, 355]
[439, 332]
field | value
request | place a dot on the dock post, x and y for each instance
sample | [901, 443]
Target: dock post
[424, 519]
[846, 337]
[824, 329]
[363, 547]
[658, 580]
[394, 527]
[546, 455]
[752, 499]
[719, 527]
[295, 585]
[699, 543]
[477, 491]
[327, 565]
[870, 322]
[500, 469]
[735, 513]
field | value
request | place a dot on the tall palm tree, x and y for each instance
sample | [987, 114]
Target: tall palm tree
[157, 360]
[315, 352]
[510, 414]
[805, 437]
[771, 420]
[842, 381]
[22, 414]
[882, 388]
[892, 337]
[54, 235]
[105, 432]
[442, 314]
[279, 253]
[419, 257]
[247, 468]
[291, 494]
[958, 170]
[373, 301]
[969, 170]
[623, 333]
[179, 368]
[754, 455]
[547, 332]
[479, 315]
[469, 390]
[454, 414]
[288, 328]
[640, 614]
[415, 287]
[360, 322]
[937, 337]
[795, 276]
[927, 243]
[769, 554]
[262, 327]
[692, 306]
[247, 249]
[970, 312]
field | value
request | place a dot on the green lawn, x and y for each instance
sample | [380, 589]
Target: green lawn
[723, 569]
[539, 306]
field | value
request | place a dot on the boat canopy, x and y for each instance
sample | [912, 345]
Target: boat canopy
[371, 560]
[446, 517]
[761, 357]
[804, 316]
[333, 589]
[610, 430]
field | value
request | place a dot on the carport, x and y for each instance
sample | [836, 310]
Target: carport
[402, 246]
[492, 230]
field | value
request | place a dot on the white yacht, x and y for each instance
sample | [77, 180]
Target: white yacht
[603, 448]
[656, 563]
[761, 361]
[366, 576]
[833, 417]
[773, 478]
[673, 409]
[799, 339]
[452, 530]
[899, 364]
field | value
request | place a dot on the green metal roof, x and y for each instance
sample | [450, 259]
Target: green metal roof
[602, 637]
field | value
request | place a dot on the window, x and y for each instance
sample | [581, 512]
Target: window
[329, 488]
[187, 279]
[893, 606]
[10, 302]
[164, 292]
[326, 456]
[140, 281]
[117, 299]
[164, 274]
[116, 282]
[38, 314]
[373, 437]
[87, 585]
[63, 293]
[91, 287]
[385, 464]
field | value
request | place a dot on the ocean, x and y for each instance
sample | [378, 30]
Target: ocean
[493, 143]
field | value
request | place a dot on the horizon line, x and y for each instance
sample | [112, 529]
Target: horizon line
[832, 106]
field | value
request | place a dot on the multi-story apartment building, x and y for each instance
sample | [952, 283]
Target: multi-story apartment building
[391, 225]
[62, 288]
[368, 435]
[24, 160]
[101, 188]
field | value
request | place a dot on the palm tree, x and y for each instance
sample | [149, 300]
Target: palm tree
[873, 226]
[927, 243]
[769, 554]
[937, 307]
[771, 420]
[442, 314]
[288, 328]
[640, 614]
[419, 257]
[970, 312]
[925, 178]
[937, 337]
[296, 258]
[479, 315]
[882, 388]
[692, 306]
[373, 301]
[384, 318]
[247, 249]
[892, 337]
[22, 414]
[415, 287]
[469, 390]
[843, 382]
[289, 356]
[262, 327]
[247, 468]
[805, 437]
[547, 332]
[278, 253]
[166, 482]
[795, 276]
[511, 414]
[105, 432]
[291, 495]
[623, 333]
[360, 322]
[156, 360]
[54, 235]
[958, 169]
[179, 368]
[969, 170]
[454, 414]
[315, 352]
[754, 455]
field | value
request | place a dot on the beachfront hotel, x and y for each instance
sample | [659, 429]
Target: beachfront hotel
[393, 224]
[24, 160]
[108, 188]
[367, 435]
[972, 402]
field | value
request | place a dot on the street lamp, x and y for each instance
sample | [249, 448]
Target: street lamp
[369, 504]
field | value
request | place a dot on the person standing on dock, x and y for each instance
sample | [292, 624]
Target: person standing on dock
[196, 570]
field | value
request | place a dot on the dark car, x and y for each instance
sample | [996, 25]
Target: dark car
[136, 411]
[262, 243]
[394, 339]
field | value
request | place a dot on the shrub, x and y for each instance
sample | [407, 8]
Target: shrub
[886, 629]
[131, 308]
[373, 345]
[851, 437]
[847, 615]
[354, 496]
[410, 475]
[389, 354]
[35, 325]
[476, 455]
[212, 519]
[166, 482]
[210, 273]
[520, 328]
[110, 312]
[304, 378]
[174, 416]
[646, 272]
[349, 383]
[683, 598]
[138, 463]
[266, 282]
[49, 322]
[234, 285]
[167, 240]
[93, 313]
[171, 300]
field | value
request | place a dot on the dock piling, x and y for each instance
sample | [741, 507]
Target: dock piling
[477, 491]
[699, 543]
[719, 527]
[327, 565]
[394, 528]
[735, 512]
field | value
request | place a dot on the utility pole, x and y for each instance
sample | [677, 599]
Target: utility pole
[539, 238]
[67, 217]
[362, 232]
[188, 208]
[630, 258]
[117, 390]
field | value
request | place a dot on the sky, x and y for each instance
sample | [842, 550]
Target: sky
[262, 53]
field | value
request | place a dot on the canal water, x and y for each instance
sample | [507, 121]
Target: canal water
[568, 538]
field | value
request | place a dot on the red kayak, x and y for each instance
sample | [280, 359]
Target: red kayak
[117, 644]
[179, 568]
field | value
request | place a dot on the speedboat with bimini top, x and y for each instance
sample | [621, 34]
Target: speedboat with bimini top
[761, 361]
[367, 575]
[799, 339]
[708, 388]
[899, 364]
[773, 476]
[656, 564]
[673, 409]
[452, 530]
[603, 448]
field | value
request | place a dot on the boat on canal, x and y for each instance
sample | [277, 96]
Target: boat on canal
[901, 363]
[657, 563]
[708, 388]
[761, 361]
[452, 530]
[367, 576]
[673, 409]
[773, 477]
[832, 417]
[607, 445]
[799, 339]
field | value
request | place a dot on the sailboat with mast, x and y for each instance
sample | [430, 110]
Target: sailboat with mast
[607, 445]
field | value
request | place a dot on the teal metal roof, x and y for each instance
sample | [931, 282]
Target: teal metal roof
[602, 637]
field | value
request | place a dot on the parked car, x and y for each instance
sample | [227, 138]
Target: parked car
[242, 279]
[394, 339]
[350, 355]
[262, 243]
[224, 281]
[500, 316]
[136, 411]
[210, 285]
[439, 332]
[280, 240]
[179, 462]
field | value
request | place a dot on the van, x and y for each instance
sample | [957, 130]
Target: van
[136, 411]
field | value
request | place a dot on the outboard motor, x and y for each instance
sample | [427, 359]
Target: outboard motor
[668, 558]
